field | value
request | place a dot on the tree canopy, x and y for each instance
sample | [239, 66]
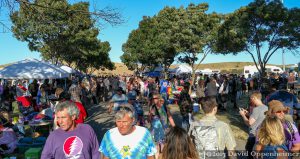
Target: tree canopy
[60, 33]
[260, 29]
[159, 39]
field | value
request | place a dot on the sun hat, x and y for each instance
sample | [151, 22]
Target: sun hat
[275, 106]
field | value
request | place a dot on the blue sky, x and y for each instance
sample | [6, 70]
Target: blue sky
[12, 50]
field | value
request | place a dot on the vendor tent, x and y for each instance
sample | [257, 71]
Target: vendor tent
[68, 69]
[32, 69]
[183, 69]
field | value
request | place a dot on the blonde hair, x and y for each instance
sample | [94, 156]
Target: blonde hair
[271, 132]
[256, 94]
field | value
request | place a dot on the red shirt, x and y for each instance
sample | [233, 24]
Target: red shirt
[82, 113]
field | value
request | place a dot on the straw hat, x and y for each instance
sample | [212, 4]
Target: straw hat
[275, 106]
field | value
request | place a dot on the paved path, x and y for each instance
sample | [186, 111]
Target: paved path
[101, 121]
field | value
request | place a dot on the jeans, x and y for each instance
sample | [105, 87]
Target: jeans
[249, 146]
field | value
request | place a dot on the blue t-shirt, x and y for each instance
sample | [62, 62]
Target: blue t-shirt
[137, 145]
[163, 86]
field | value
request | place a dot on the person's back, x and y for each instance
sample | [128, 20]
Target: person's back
[211, 89]
[217, 140]
[185, 103]
[209, 133]
[271, 140]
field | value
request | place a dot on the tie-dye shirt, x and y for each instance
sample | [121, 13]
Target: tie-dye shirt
[137, 145]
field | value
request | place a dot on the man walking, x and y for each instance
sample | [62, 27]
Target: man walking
[127, 140]
[70, 140]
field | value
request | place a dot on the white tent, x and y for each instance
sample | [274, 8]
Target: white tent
[32, 69]
[68, 69]
[181, 69]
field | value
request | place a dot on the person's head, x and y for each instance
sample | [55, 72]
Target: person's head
[34, 81]
[66, 113]
[209, 105]
[201, 82]
[155, 98]
[58, 91]
[186, 85]
[125, 119]
[120, 91]
[271, 132]
[255, 98]
[276, 108]
[179, 145]
[160, 101]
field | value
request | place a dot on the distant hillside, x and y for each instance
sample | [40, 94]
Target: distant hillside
[233, 67]
[121, 69]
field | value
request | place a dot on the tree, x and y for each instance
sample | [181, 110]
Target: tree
[101, 16]
[260, 29]
[197, 34]
[149, 45]
[60, 33]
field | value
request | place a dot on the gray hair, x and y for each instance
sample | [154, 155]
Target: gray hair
[70, 106]
[123, 110]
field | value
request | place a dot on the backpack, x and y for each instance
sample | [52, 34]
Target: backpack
[271, 152]
[206, 139]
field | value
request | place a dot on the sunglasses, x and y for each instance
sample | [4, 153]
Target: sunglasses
[280, 111]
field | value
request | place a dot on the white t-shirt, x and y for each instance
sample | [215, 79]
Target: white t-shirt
[137, 145]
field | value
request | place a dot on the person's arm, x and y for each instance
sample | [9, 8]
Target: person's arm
[94, 145]
[296, 139]
[103, 157]
[247, 121]
[47, 152]
[150, 157]
[295, 148]
[110, 105]
[296, 106]
[171, 120]
[258, 148]
[102, 148]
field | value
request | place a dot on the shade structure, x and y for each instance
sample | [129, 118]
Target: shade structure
[68, 69]
[182, 69]
[32, 69]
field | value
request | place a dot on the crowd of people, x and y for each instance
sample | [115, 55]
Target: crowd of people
[272, 116]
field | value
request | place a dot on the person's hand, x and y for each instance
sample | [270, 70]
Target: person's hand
[243, 112]
[110, 110]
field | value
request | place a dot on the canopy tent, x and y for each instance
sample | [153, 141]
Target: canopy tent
[181, 69]
[152, 74]
[32, 69]
[68, 69]
[158, 69]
